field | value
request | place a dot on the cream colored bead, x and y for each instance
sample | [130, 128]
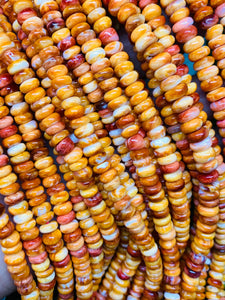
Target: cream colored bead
[50, 227]
[182, 104]
[95, 55]
[23, 218]
[16, 149]
[41, 267]
[46, 279]
[70, 227]
[4, 218]
[17, 66]
[61, 254]
[71, 52]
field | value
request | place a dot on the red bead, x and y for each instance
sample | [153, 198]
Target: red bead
[170, 168]
[195, 96]
[182, 70]
[186, 34]
[65, 146]
[208, 178]
[26, 14]
[65, 3]
[93, 201]
[76, 199]
[38, 259]
[55, 25]
[173, 50]
[108, 35]
[62, 263]
[30, 245]
[95, 252]
[182, 145]
[143, 3]
[132, 252]
[3, 160]
[79, 253]
[121, 275]
[21, 34]
[5, 79]
[76, 61]
[135, 142]
[142, 132]
[66, 43]
[65, 219]
[209, 21]
[8, 131]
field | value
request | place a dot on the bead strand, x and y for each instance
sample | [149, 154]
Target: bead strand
[47, 171]
[216, 42]
[217, 266]
[55, 189]
[200, 181]
[203, 15]
[186, 33]
[137, 286]
[115, 265]
[23, 167]
[25, 224]
[23, 217]
[124, 275]
[14, 256]
[44, 167]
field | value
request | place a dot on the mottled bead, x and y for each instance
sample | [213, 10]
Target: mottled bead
[186, 34]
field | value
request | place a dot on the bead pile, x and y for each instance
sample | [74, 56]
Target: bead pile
[130, 201]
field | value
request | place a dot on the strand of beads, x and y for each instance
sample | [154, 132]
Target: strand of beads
[215, 280]
[25, 225]
[203, 15]
[28, 174]
[130, 265]
[14, 255]
[115, 264]
[216, 42]
[23, 166]
[23, 217]
[55, 189]
[137, 287]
